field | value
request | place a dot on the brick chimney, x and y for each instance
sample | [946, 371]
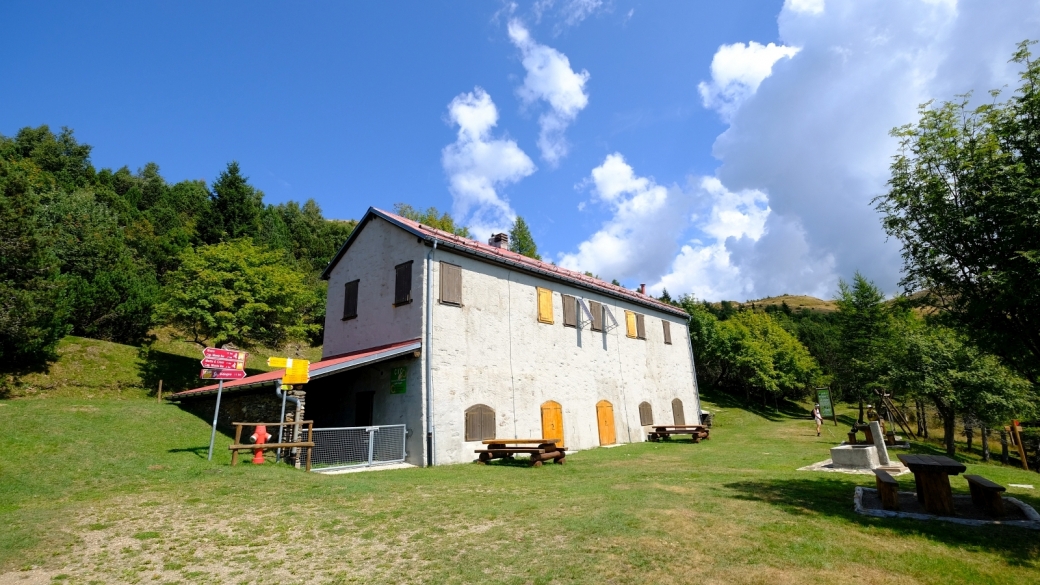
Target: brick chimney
[642, 289]
[499, 240]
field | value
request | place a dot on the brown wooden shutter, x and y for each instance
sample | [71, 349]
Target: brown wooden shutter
[667, 332]
[597, 315]
[640, 326]
[678, 416]
[570, 311]
[350, 294]
[451, 284]
[646, 414]
[403, 284]
[480, 423]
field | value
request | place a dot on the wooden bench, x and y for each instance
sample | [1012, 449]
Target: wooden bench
[887, 489]
[985, 495]
[696, 432]
[544, 450]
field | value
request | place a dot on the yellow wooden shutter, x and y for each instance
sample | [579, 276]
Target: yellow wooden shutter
[545, 308]
[630, 324]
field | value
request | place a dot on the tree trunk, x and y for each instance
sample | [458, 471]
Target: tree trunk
[860, 412]
[985, 443]
[969, 432]
[949, 427]
[1003, 447]
[924, 420]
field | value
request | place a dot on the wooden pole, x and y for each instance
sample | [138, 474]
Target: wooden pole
[159, 395]
[1016, 435]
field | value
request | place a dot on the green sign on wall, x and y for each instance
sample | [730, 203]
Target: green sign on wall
[399, 380]
[823, 396]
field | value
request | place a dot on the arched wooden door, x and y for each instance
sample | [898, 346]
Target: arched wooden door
[552, 421]
[605, 418]
[677, 412]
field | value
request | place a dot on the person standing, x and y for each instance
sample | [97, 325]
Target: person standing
[817, 417]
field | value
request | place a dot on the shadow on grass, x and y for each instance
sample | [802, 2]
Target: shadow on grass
[833, 497]
[200, 452]
[176, 371]
[513, 462]
[783, 410]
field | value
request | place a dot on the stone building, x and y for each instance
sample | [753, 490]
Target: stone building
[461, 341]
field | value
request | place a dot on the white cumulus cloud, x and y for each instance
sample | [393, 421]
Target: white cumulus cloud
[478, 165]
[550, 79]
[736, 72]
[806, 6]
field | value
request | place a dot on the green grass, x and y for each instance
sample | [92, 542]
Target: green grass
[118, 489]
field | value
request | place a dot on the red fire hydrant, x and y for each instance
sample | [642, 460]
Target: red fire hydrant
[259, 436]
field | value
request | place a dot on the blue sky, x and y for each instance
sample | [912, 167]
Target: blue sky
[645, 141]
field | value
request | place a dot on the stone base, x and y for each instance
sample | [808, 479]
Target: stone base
[855, 457]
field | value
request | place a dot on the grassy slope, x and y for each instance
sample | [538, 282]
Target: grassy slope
[119, 490]
[796, 303]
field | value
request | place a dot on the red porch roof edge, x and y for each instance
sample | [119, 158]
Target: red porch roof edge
[264, 378]
[507, 257]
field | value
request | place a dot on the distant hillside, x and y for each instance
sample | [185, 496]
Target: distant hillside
[796, 302]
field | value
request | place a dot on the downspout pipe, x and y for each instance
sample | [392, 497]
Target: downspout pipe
[284, 396]
[431, 439]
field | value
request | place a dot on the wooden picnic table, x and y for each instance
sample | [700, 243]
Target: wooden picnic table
[932, 477]
[543, 450]
[696, 432]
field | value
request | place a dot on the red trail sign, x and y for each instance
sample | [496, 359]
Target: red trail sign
[208, 374]
[227, 354]
[222, 364]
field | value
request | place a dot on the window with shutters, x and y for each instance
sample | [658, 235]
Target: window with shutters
[597, 315]
[350, 291]
[677, 412]
[545, 308]
[640, 326]
[480, 423]
[403, 284]
[451, 284]
[570, 311]
[646, 414]
[630, 324]
[667, 332]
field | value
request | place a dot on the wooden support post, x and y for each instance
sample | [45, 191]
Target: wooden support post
[1016, 434]
[238, 438]
[159, 395]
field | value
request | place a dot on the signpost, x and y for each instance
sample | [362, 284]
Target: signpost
[296, 371]
[221, 364]
[823, 397]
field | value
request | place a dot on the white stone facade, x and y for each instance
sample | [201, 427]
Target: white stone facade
[493, 350]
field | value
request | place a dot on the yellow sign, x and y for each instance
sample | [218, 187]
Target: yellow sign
[296, 371]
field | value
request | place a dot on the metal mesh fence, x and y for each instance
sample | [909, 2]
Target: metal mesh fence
[353, 446]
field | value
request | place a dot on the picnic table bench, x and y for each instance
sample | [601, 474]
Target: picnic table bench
[932, 477]
[696, 432]
[985, 495]
[543, 450]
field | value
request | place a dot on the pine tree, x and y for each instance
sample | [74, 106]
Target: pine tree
[521, 241]
[237, 204]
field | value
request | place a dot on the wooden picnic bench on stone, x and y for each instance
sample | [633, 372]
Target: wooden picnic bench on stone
[696, 432]
[932, 476]
[888, 489]
[985, 495]
[543, 450]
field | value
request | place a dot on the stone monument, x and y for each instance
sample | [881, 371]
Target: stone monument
[879, 442]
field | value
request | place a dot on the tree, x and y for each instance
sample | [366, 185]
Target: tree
[433, 218]
[964, 200]
[521, 241]
[237, 206]
[866, 338]
[237, 292]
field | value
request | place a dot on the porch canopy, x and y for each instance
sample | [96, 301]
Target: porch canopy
[326, 367]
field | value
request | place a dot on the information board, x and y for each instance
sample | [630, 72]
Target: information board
[823, 397]
[399, 380]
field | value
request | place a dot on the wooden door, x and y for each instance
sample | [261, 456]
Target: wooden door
[605, 418]
[552, 421]
[677, 412]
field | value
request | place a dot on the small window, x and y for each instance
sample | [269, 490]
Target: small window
[640, 326]
[403, 286]
[570, 311]
[597, 315]
[480, 423]
[667, 332]
[545, 308]
[646, 414]
[630, 324]
[678, 416]
[350, 300]
[451, 284]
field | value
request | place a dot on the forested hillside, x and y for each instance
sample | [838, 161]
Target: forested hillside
[108, 254]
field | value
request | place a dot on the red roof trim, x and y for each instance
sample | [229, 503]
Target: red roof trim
[503, 256]
[373, 354]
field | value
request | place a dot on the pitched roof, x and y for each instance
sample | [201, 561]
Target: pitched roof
[502, 256]
[347, 361]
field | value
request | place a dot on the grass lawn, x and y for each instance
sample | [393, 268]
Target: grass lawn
[115, 490]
